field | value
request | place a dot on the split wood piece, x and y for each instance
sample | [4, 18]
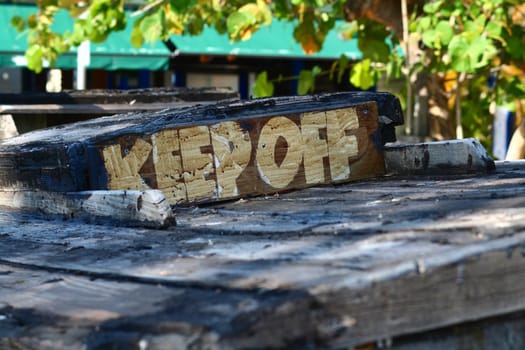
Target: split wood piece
[454, 157]
[209, 153]
[127, 208]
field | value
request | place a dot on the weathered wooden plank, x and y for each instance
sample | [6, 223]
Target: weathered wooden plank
[54, 310]
[468, 287]
[130, 208]
[377, 259]
[505, 332]
[361, 306]
[209, 153]
[49, 310]
[466, 156]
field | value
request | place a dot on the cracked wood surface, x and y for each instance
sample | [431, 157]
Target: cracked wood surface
[327, 267]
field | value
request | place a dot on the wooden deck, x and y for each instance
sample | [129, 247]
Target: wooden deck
[323, 267]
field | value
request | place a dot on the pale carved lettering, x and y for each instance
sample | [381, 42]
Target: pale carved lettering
[205, 162]
[197, 161]
[278, 162]
[123, 171]
[342, 144]
[232, 149]
[168, 165]
[313, 128]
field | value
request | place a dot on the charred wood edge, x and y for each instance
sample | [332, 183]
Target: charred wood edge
[148, 208]
[149, 122]
[104, 96]
[454, 157]
[389, 112]
[92, 109]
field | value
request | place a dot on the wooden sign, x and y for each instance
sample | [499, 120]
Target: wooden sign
[210, 153]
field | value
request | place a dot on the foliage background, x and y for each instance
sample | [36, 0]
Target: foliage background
[461, 58]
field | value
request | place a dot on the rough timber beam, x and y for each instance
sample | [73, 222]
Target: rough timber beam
[208, 153]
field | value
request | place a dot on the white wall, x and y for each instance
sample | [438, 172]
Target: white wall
[195, 80]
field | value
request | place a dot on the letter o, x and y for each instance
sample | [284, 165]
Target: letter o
[279, 174]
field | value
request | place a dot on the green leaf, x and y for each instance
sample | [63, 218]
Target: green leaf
[265, 13]
[362, 75]
[239, 23]
[32, 21]
[468, 56]
[482, 51]
[343, 63]
[475, 9]
[306, 82]
[445, 33]
[34, 55]
[137, 39]
[473, 29]
[432, 7]
[152, 26]
[423, 24]
[182, 5]
[316, 70]
[195, 26]
[262, 87]
[458, 51]
[394, 67]
[306, 34]
[18, 22]
[494, 29]
[333, 68]
[429, 38]
[516, 47]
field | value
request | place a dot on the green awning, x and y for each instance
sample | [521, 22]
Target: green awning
[275, 40]
[117, 52]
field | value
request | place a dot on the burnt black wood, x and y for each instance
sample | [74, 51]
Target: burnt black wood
[66, 159]
[329, 267]
[101, 96]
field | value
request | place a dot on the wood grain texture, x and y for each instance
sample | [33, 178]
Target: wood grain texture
[325, 267]
[273, 151]
[129, 208]
[261, 144]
